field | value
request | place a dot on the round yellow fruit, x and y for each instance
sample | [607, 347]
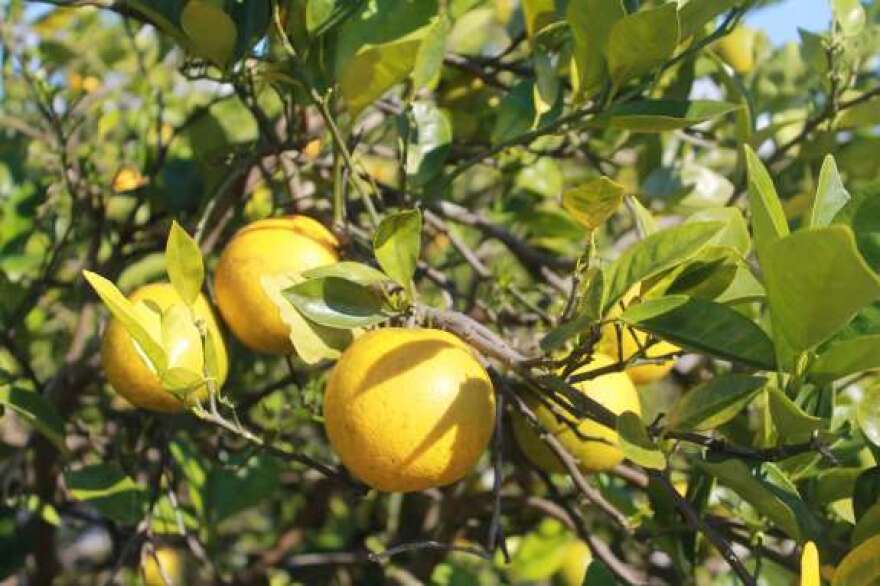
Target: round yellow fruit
[596, 447]
[738, 49]
[268, 247]
[130, 374]
[172, 567]
[409, 409]
[574, 567]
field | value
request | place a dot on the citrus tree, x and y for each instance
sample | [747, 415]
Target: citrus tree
[438, 291]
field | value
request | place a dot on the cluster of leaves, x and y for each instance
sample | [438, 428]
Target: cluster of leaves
[523, 166]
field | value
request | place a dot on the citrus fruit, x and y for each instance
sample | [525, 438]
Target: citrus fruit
[596, 446]
[132, 376]
[268, 247]
[574, 567]
[738, 49]
[409, 409]
[630, 342]
[172, 567]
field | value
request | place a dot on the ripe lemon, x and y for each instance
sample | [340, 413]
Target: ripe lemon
[131, 376]
[574, 567]
[409, 409]
[630, 344]
[268, 247]
[596, 448]
[172, 566]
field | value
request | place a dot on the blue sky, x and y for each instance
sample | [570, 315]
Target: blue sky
[782, 20]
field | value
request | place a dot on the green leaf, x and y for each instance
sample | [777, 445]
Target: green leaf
[849, 15]
[816, 282]
[181, 340]
[639, 43]
[598, 574]
[792, 424]
[351, 271]
[862, 214]
[183, 260]
[861, 566]
[546, 89]
[540, 553]
[868, 414]
[696, 14]
[591, 22]
[181, 380]
[593, 202]
[866, 490]
[429, 59]
[397, 245]
[538, 14]
[242, 484]
[714, 403]
[212, 32]
[108, 489]
[37, 412]
[831, 195]
[653, 255]
[378, 47]
[194, 469]
[768, 218]
[135, 322]
[429, 142]
[337, 303]
[735, 233]
[661, 115]
[645, 222]
[867, 525]
[311, 341]
[758, 493]
[517, 114]
[318, 12]
[636, 444]
[847, 357]
[703, 326]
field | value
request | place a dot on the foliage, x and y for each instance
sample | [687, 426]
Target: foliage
[521, 174]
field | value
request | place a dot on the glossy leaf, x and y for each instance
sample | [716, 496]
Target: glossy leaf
[318, 12]
[735, 233]
[183, 260]
[735, 475]
[133, 321]
[337, 303]
[812, 300]
[849, 15]
[867, 525]
[359, 273]
[108, 489]
[831, 195]
[714, 403]
[311, 341]
[645, 222]
[661, 115]
[655, 254]
[37, 412]
[861, 566]
[429, 59]
[703, 326]
[538, 14]
[591, 22]
[397, 245]
[640, 42]
[591, 203]
[636, 444]
[862, 214]
[847, 357]
[239, 486]
[696, 14]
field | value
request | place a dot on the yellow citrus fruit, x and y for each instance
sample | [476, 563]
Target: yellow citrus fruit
[409, 409]
[596, 446]
[574, 567]
[130, 374]
[269, 247]
[738, 49]
[630, 344]
[172, 567]
[127, 178]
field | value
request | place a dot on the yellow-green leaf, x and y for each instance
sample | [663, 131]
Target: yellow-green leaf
[211, 31]
[183, 261]
[593, 202]
[640, 42]
[861, 566]
[37, 412]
